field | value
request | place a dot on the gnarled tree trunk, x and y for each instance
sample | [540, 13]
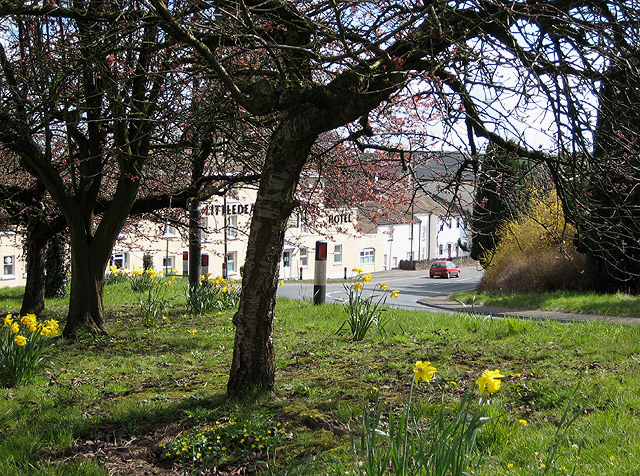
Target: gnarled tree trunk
[253, 366]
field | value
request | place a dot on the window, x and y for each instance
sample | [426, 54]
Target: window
[441, 250]
[9, 267]
[232, 227]
[293, 221]
[367, 256]
[169, 231]
[168, 263]
[231, 262]
[304, 229]
[121, 260]
[303, 257]
[457, 222]
[203, 230]
[337, 254]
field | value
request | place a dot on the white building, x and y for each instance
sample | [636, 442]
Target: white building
[423, 232]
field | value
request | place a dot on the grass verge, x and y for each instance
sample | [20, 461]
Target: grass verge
[113, 405]
[563, 301]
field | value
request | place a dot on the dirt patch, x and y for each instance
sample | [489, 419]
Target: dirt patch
[139, 456]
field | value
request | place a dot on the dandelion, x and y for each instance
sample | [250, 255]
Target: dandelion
[423, 371]
[509, 465]
[490, 381]
[192, 331]
[611, 458]
[523, 422]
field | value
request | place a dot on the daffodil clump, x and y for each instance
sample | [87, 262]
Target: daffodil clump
[446, 444]
[155, 302]
[364, 310]
[115, 275]
[225, 441]
[22, 342]
[141, 280]
[212, 295]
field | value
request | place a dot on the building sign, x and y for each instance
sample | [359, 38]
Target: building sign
[340, 219]
[231, 209]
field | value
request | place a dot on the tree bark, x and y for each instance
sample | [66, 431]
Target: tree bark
[195, 245]
[55, 282]
[253, 365]
[86, 310]
[33, 299]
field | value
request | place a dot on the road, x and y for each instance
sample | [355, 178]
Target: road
[413, 285]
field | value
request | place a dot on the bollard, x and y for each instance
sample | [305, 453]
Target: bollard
[320, 275]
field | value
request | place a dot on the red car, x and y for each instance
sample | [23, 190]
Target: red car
[444, 269]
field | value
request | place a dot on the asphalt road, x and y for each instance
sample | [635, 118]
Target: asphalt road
[412, 285]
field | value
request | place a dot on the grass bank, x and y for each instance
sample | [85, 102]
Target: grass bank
[116, 405]
[563, 301]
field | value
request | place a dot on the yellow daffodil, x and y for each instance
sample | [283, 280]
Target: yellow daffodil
[192, 331]
[395, 294]
[357, 270]
[8, 320]
[423, 371]
[366, 278]
[489, 381]
[20, 340]
[15, 327]
[384, 286]
[281, 283]
[357, 286]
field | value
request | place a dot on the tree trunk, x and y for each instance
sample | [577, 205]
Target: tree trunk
[33, 299]
[195, 245]
[55, 282]
[86, 310]
[253, 366]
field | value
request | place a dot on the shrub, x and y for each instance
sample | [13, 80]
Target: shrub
[22, 343]
[536, 254]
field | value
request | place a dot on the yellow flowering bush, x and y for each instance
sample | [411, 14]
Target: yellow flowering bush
[22, 343]
[364, 311]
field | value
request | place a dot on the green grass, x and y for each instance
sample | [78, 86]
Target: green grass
[111, 401]
[582, 303]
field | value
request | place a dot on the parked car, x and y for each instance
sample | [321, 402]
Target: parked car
[444, 269]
